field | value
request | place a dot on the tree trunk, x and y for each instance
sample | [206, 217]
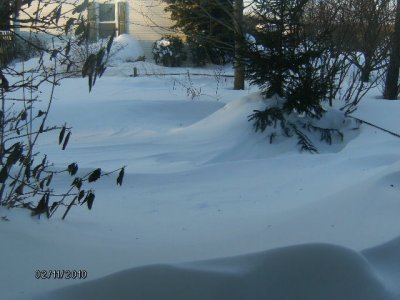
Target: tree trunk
[5, 15]
[239, 45]
[392, 73]
[366, 69]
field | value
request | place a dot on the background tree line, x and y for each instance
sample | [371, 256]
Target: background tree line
[363, 31]
[302, 53]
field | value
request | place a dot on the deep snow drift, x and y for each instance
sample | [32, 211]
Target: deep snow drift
[312, 271]
[201, 184]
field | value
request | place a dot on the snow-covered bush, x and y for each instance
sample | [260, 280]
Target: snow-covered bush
[169, 51]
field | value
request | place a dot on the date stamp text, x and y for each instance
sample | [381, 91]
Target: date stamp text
[61, 274]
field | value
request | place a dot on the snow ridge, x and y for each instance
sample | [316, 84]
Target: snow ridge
[310, 271]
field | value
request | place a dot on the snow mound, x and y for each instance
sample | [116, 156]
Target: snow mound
[386, 260]
[240, 141]
[126, 49]
[311, 271]
[380, 112]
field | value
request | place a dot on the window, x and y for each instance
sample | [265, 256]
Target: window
[105, 19]
[106, 12]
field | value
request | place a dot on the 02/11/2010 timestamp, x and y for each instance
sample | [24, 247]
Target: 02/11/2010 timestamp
[61, 274]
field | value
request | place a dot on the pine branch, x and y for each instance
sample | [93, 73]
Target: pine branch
[326, 133]
[266, 118]
[303, 141]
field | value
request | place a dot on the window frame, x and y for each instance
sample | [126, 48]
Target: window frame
[119, 26]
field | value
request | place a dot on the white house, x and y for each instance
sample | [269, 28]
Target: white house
[145, 20]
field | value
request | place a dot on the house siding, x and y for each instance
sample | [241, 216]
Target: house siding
[146, 21]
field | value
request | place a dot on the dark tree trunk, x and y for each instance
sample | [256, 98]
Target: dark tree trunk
[392, 73]
[367, 69]
[239, 45]
[5, 15]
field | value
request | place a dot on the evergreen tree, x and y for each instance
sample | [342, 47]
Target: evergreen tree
[208, 27]
[289, 65]
[284, 61]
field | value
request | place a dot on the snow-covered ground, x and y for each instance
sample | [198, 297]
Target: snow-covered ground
[209, 209]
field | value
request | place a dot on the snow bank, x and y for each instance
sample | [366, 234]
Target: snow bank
[312, 272]
[200, 184]
[380, 112]
[386, 261]
[126, 49]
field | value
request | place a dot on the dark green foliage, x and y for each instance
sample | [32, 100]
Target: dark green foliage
[209, 27]
[89, 200]
[95, 64]
[77, 183]
[326, 133]
[289, 124]
[293, 67]
[121, 176]
[81, 7]
[303, 141]
[42, 206]
[94, 175]
[69, 24]
[277, 41]
[4, 84]
[15, 154]
[6, 10]
[81, 195]
[72, 169]
[202, 53]
[61, 136]
[306, 90]
[66, 140]
[268, 117]
[284, 61]
[4, 176]
[199, 55]
[169, 51]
